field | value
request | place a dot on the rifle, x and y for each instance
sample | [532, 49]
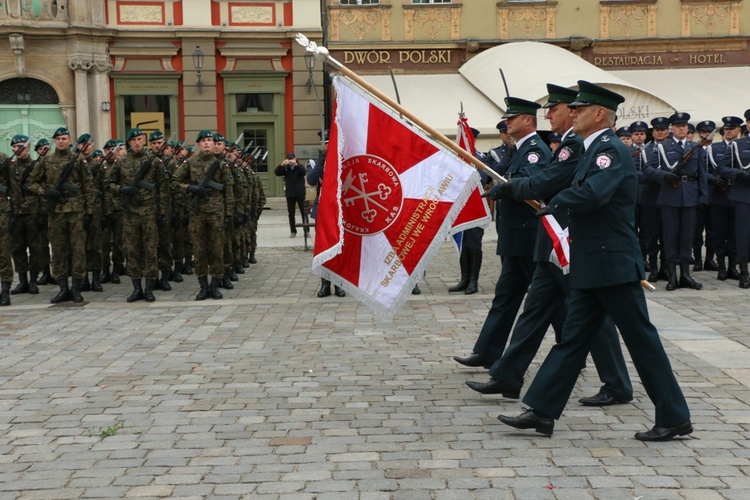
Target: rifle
[689, 154]
[65, 173]
[208, 178]
[138, 180]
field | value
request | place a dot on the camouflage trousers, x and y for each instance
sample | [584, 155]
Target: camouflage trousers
[68, 241]
[237, 241]
[165, 246]
[228, 239]
[179, 234]
[207, 234]
[141, 246]
[95, 244]
[6, 261]
[28, 252]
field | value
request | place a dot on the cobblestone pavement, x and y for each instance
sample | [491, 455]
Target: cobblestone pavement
[273, 393]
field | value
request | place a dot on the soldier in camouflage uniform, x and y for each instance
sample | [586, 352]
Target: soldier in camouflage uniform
[114, 202]
[156, 141]
[187, 268]
[26, 241]
[177, 223]
[94, 258]
[111, 221]
[69, 213]
[240, 194]
[145, 207]
[41, 148]
[8, 204]
[214, 212]
[220, 149]
[257, 202]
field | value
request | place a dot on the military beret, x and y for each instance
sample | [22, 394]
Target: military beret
[174, 144]
[554, 137]
[474, 132]
[110, 144]
[558, 94]
[218, 137]
[638, 126]
[18, 139]
[732, 121]
[502, 126]
[589, 93]
[747, 114]
[705, 126]
[324, 135]
[204, 134]
[155, 136]
[41, 143]
[98, 152]
[516, 106]
[229, 144]
[679, 118]
[660, 122]
[132, 133]
[60, 131]
[623, 132]
[83, 138]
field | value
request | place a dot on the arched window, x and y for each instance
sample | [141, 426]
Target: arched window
[27, 91]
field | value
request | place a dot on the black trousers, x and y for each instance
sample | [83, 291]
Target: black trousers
[291, 203]
[724, 233]
[678, 226]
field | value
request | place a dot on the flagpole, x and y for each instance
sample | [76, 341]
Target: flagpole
[322, 54]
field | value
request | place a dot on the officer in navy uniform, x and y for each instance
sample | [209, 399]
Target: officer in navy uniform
[498, 159]
[624, 134]
[605, 273]
[704, 219]
[681, 193]
[516, 236]
[638, 131]
[546, 301]
[554, 139]
[720, 208]
[648, 194]
[735, 166]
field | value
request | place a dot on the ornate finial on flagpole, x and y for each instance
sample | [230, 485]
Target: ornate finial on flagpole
[321, 53]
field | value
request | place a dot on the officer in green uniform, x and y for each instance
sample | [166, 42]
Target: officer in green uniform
[41, 148]
[605, 273]
[213, 213]
[141, 181]
[69, 202]
[26, 240]
[9, 198]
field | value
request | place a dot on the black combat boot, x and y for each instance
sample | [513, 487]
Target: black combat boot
[251, 259]
[475, 262]
[64, 294]
[232, 275]
[75, 290]
[85, 283]
[226, 281]
[176, 274]
[465, 262]
[687, 281]
[339, 291]
[203, 292]
[653, 274]
[33, 286]
[96, 281]
[698, 259]
[325, 288]
[23, 285]
[116, 271]
[148, 293]
[46, 278]
[106, 275]
[164, 282]
[215, 293]
[245, 263]
[744, 277]
[731, 269]
[722, 263]
[5, 294]
[663, 270]
[187, 268]
[710, 264]
[672, 280]
[238, 268]
[137, 291]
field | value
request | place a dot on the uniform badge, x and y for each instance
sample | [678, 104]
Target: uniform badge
[564, 153]
[532, 158]
[532, 142]
[605, 138]
[603, 161]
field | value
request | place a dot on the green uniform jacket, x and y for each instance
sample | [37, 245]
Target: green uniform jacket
[28, 202]
[77, 190]
[192, 172]
[153, 190]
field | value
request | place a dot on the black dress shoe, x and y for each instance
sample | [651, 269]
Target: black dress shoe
[475, 360]
[710, 265]
[604, 399]
[688, 282]
[494, 387]
[530, 420]
[665, 433]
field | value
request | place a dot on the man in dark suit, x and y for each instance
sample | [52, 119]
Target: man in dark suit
[516, 225]
[683, 190]
[605, 272]
[546, 301]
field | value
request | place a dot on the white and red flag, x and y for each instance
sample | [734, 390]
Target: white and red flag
[560, 255]
[389, 198]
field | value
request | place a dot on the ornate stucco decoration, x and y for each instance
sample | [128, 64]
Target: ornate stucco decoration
[431, 20]
[359, 21]
[618, 20]
[17, 47]
[77, 63]
[526, 20]
[27, 10]
[720, 17]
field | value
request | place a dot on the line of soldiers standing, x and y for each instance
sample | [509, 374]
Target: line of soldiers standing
[688, 188]
[151, 210]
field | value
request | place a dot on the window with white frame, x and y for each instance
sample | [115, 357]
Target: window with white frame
[359, 2]
[430, 1]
